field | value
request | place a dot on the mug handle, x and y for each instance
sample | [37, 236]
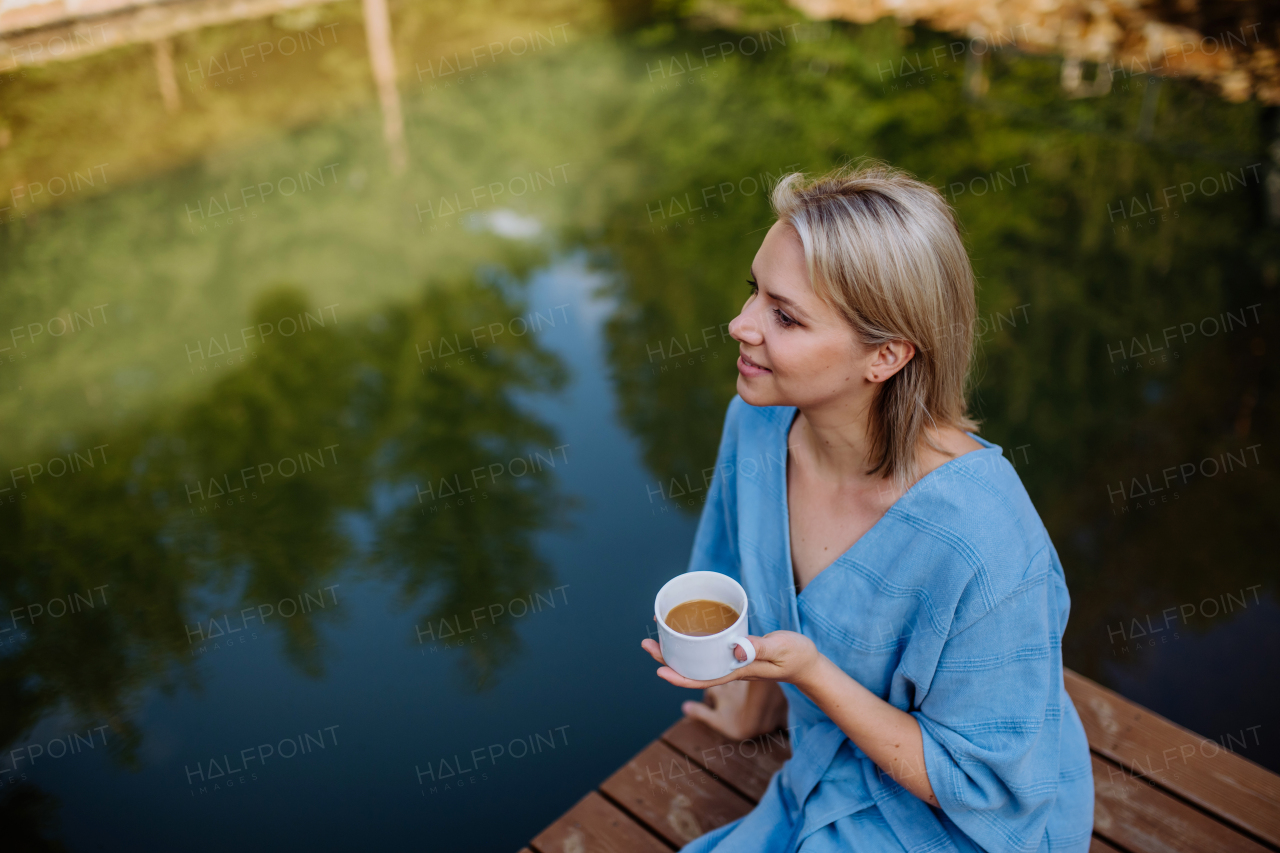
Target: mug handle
[748, 647]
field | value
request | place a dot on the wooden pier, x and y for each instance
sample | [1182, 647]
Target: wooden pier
[1159, 788]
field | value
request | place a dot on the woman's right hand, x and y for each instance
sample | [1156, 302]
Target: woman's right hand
[741, 709]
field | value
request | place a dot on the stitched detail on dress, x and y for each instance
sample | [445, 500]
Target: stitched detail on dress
[1002, 497]
[1057, 842]
[1033, 789]
[1005, 726]
[975, 664]
[832, 628]
[1052, 713]
[1029, 582]
[884, 585]
[943, 842]
[1036, 790]
[1001, 828]
[1071, 775]
[954, 769]
[897, 642]
[957, 542]
[1016, 841]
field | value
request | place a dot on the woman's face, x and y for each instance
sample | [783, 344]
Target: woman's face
[795, 349]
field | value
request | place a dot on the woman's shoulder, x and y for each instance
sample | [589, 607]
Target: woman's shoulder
[976, 508]
[977, 489]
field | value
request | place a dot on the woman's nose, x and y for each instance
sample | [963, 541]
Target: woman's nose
[744, 328]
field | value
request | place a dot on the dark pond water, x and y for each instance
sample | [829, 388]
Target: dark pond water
[335, 498]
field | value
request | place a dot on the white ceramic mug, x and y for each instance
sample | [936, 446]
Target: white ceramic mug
[710, 657]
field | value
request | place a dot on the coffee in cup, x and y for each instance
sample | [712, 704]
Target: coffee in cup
[702, 617]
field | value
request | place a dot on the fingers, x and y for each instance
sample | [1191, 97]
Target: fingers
[668, 674]
[762, 669]
[699, 711]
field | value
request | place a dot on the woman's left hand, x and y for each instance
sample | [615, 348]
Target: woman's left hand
[780, 656]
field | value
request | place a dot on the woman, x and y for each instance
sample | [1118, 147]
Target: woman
[906, 604]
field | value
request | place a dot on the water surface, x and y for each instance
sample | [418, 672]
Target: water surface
[388, 466]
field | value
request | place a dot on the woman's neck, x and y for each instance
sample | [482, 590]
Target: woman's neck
[834, 444]
[835, 440]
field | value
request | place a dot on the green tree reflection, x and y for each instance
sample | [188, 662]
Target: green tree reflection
[164, 522]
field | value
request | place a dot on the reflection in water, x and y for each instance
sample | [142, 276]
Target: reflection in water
[244, 490]
[330, 388]
[377, 25]
[30, 819]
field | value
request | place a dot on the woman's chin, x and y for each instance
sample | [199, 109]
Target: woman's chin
[753, 394]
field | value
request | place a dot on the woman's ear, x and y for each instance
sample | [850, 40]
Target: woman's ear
[889, 358]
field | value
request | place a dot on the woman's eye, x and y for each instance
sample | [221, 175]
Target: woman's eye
[783, 319]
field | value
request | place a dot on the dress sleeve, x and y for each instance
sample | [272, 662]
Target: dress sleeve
[715, 545]
[991, 719]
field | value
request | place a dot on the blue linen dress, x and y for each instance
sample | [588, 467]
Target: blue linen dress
[951, 607]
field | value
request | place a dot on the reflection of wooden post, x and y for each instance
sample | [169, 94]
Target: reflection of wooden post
[377, 27]
[1074, 84]
[164, 72]
[1150, 103]
[975, 74]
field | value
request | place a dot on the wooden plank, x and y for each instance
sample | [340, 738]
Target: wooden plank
[1146, 772]
[1134, 814]
[1197, 769]
[672, 795]
[596, 825]
[746, 766]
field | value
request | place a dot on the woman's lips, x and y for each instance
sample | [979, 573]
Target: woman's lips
[747, 367]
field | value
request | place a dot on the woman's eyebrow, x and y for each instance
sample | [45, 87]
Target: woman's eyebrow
[790, 303]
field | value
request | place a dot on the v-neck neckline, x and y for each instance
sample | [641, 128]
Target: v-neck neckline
[786, 510]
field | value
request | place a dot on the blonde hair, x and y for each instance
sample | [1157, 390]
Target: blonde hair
[884, 250]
